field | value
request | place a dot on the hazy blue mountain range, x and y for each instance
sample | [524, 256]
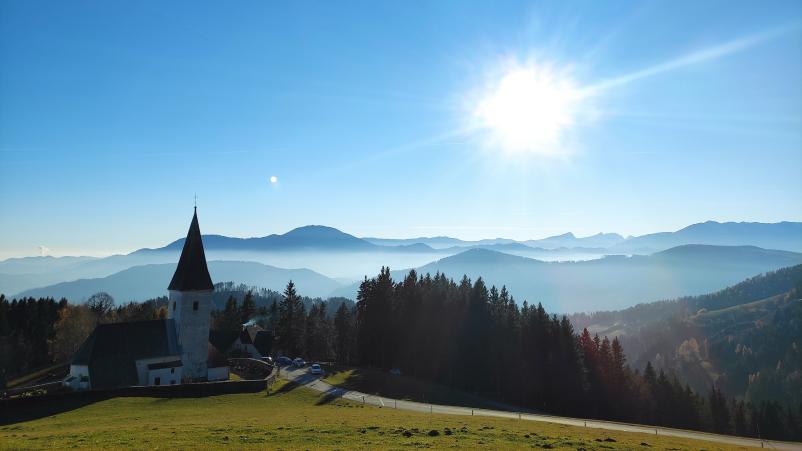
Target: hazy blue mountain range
[602, 240]
[149, 281]
[313, 237]
[345, 257]
[438, 242]
[611, 282]
[37, 265]
[781, 235]
[567, 240]
[744, 338]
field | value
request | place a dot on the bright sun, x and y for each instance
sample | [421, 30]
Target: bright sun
[528, 109]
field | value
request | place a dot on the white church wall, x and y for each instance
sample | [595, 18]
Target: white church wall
[191, 311]
[143, 374]
[164, 376]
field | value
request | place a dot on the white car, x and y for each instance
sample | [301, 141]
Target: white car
[315, 369]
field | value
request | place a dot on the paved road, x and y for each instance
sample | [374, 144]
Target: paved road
[303, 377]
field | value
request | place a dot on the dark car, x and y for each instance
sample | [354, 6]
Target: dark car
[284, 361]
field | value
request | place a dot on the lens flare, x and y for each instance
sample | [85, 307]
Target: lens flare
[529, 109]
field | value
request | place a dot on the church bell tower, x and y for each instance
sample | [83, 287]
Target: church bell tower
[190, 304]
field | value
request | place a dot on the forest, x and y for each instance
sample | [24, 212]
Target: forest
[744, 337]
[466, 335]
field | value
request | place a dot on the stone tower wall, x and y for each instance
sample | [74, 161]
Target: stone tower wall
[192, 329]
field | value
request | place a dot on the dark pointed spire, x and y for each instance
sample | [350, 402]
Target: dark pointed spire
[192, 273]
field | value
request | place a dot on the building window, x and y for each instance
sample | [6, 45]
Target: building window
[195, 305]
[173, 305]
[172, 382]
[172, 370]
[157, 381]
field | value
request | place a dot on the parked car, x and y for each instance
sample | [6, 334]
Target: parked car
[299, 362]
[284, 361]
[315, 369]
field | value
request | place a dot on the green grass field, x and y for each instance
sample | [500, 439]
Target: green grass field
[298, 418]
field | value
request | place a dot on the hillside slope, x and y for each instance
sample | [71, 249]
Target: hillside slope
[781, 235]
[149, 281]
[611, 282]
[747, 339]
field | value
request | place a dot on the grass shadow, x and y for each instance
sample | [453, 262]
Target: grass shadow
[35, 410]
[330, 396]
[286, 388]
[381, 383]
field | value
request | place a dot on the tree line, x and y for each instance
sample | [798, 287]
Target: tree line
[39, 332]
[468, 336]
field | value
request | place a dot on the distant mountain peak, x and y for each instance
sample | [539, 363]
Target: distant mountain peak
[316, 230]
[480, 255]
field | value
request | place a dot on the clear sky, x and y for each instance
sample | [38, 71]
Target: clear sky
[393, 119]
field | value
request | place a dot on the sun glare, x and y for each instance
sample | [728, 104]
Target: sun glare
[529, 109]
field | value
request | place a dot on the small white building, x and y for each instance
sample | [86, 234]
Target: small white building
[125, 354]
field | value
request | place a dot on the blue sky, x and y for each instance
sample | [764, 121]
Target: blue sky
[113, 115]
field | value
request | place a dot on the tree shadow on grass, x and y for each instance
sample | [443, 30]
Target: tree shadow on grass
[330, 396]
[286, 388]
[379, 382]
[16, 410]
[46, 407]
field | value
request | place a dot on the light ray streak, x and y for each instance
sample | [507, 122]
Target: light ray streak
[697, 57]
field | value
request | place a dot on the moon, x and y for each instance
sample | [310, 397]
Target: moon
[273, 179]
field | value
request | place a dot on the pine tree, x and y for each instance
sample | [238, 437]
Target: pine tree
[291, 322]
[248, 308]
[229, 319]
[274, 316]
[344, 329]
[5, 329]
[739, 415]
[719, 411]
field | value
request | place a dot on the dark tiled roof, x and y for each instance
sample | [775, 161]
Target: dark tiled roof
[263, 342]
[192, 273]
[111, 351]
[222, 339]
[215, 358]
[160, 365]
[245, 337]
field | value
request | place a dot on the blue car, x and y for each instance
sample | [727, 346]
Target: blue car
[284, 361]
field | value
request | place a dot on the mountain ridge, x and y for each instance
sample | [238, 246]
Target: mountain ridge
[149, 281]
[575, 286]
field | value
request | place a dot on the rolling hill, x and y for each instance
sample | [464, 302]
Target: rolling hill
[781, 235]
[611, 282]
[149, 281]
[744, 338]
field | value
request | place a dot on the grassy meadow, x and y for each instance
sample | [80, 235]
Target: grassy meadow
[293, 417]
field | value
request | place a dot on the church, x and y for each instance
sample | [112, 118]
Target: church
[158, 352]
